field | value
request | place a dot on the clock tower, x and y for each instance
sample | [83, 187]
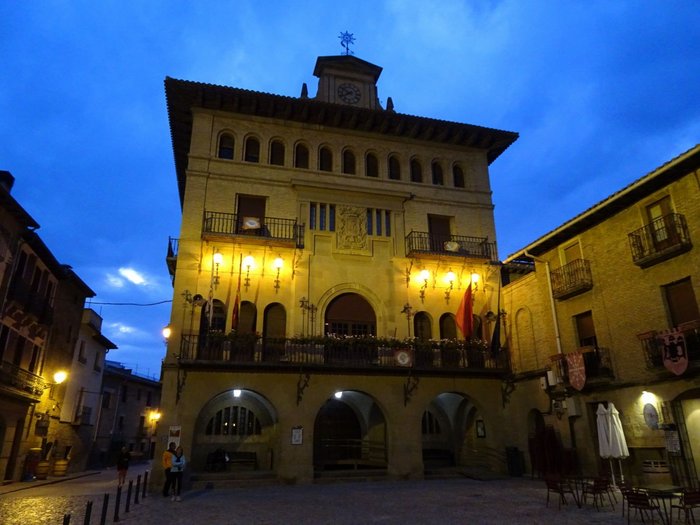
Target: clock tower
[348, 80]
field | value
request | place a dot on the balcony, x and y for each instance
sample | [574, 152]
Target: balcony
[171, 257]
[571, 279]
[30, 303]
[425, 243]
[597, 363]
[348, 354]
[653, 345]
[20, 383]
[266, 230]
[659, 240]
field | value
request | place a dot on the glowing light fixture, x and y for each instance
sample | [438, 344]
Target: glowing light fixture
[167, 332]
[236, 392]
[248, 263]
[475, 281]
[423, 276]
[60, 376]
[277, 264]
[648, 397]
[338, 395]
[450, 278]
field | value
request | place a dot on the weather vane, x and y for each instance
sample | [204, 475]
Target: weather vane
[345, 40]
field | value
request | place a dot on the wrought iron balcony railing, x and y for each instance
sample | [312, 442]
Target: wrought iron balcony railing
[596, 361]
[659, 240]
[262, 228]
[349, 353]
[171, 257]
[456, 245]
[20, 381]
[653, 344]
[30, 302]
[571, 279]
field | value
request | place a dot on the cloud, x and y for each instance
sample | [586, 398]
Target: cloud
[133, 276]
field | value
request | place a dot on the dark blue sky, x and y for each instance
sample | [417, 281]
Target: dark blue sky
[601, 93]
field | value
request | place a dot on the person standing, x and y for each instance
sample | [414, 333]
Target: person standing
[177, 472]
[122, 465]
[167, 461]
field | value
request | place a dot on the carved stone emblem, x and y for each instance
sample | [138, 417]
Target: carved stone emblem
[351, 233]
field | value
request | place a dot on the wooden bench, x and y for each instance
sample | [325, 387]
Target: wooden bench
[249, 459]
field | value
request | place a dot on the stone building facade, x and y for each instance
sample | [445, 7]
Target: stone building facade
[614, 290]
[325, 248]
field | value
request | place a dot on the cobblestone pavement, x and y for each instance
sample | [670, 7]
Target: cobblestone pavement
[448, 501]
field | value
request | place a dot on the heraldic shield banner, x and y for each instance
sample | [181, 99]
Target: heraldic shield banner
[577, 370]
[674, 350]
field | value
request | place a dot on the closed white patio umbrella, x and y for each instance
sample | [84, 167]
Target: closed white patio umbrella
[611, 438]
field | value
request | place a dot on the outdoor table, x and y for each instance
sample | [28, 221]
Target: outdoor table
[664, 493]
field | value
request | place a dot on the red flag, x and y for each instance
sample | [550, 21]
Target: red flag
[464, 316]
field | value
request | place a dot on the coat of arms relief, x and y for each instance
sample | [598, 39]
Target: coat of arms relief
[351, 233]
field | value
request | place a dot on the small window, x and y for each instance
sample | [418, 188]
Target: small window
[394, 168]
[277, 153]
[378, 222]
[124, 393]
[458, 176]
[252, 150]
[585, 329]
[371, 165]
[325, 159]
[437, 174]
[348, 162]
[226, 146]
[681, 302]
[301, 156]
[322, 216]
[106, 400]
[416, 171]
[82, 356]
[149, 398]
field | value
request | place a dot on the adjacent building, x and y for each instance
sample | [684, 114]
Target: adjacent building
[604, 310]
[326, 246]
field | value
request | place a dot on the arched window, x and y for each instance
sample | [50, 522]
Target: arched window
[350, 314]
[234, 420]
[247, 318]
[301, 156]
[394, 168]
[225, 146]
[348, 162]
[458, 176]
[448, 327]
[325, 159]
[371, 165]
[416, 171]
[277, 153]
[252, 150]
[213, 317]
[437, 173]
[422, 328]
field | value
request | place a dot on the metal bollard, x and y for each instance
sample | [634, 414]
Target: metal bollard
[128, 495]
[66, 519]
[116, 504]
[105, 504]
[138, 489]
[88, 513]
[145, 482]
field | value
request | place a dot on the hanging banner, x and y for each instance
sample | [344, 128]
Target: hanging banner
[674, 351]
[174, 435]
[577, 370]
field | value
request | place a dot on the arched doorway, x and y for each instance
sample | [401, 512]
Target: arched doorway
[274, 332]
[453, 432]
[212, 321]
[238, 424]
[349, 433]
[448, 327]
[247, 322]
[350, 314]
[422, 326]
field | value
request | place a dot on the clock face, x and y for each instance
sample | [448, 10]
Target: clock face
[349, 93]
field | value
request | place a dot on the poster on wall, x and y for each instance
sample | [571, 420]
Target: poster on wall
[174, 435]
[297, 435]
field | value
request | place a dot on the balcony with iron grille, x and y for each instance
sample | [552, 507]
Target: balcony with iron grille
[270, 231]
[349, 355]
[17, 382]
[685, 338]
[597, 363]
[571, 279]
[661, 239]
[35, 306]
[430, 244]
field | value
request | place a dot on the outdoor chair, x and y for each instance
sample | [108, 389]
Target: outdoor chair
[641, 502]
[596, 489]
[624, 490]
[560, 488]
[690, 499]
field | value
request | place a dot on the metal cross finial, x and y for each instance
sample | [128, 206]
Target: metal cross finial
[346, 39]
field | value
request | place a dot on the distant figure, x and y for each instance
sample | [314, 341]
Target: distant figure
[122, 465]
[167, 466]
[176, 471]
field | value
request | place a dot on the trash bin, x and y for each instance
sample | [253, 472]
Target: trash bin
[514, 460]
[30, 463]
[656, 472]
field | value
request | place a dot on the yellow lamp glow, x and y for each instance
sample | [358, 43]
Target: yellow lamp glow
[167, 331]
[450, 277]
[278, 263]
[60, 376]
[218, 258]
[248, 262]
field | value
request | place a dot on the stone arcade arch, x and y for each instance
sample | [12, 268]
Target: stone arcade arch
[234, 421]
[454, 433]
[350, 433]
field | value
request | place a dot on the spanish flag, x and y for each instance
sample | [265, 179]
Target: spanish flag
[464, 316]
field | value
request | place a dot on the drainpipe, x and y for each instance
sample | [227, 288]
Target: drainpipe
[551, 298]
